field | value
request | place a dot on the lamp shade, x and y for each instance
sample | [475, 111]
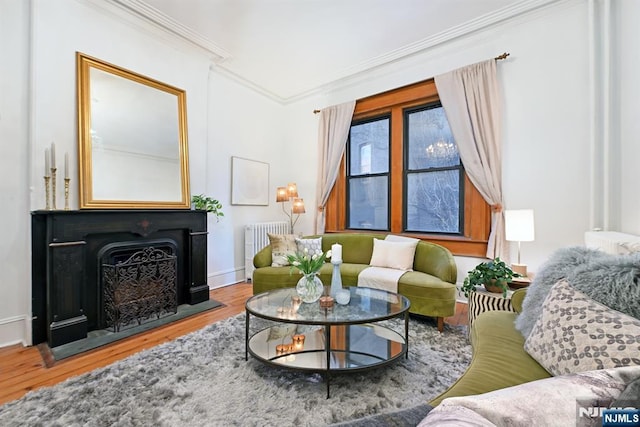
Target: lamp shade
[518, 225]
[281, 194]
[298, 206]
[292, 189]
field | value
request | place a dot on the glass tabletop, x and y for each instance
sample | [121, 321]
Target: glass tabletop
[365, 305]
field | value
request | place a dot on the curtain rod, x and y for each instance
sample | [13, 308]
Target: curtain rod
[497, 58]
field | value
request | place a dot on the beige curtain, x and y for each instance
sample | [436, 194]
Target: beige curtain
[471, 100]
[333, 130]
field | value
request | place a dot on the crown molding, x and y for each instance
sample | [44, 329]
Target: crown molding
[167, 23]
[452, 33]
[345, 76]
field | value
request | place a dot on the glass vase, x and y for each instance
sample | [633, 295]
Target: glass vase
[309, 288]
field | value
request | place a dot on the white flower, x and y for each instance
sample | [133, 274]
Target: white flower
[306, 250]
[296, 263]
[329, 253]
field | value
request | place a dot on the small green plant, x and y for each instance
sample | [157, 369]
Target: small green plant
[209, 204]
[491, 273]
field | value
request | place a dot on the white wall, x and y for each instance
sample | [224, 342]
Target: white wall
[38, 106]
[15, 246]
[627, 42]
[547, 116]
[241, 124]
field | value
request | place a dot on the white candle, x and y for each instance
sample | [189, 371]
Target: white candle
[336, 252]
[47, 168]
[53, 155]
[66, 165]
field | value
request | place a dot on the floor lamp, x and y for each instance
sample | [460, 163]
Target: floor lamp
[518, 225]
[289, 194]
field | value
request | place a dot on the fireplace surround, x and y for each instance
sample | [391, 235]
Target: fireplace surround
[71, 248]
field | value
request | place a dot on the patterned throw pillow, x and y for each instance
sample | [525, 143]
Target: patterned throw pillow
[281, 246]
[312, 245]
[575, 334]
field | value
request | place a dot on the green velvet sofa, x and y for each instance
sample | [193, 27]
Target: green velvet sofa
[499, 359]
[430, 287]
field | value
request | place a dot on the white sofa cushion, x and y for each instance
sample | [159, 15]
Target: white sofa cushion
[389, 254]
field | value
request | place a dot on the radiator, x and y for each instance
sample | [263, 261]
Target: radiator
[612, 242]
[255, 238]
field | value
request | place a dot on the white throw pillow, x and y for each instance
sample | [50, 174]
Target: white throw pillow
[311, 245]
[398, 255]
[554, 401]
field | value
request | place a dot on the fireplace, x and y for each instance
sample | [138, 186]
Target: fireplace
[110, 269]
[138, 282]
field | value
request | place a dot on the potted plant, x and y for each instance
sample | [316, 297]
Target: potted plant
[495, 275]
[209, 204]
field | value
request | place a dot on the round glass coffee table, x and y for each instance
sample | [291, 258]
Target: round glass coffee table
[356, 339]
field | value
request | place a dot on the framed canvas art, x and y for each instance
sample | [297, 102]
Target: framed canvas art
[249, 182]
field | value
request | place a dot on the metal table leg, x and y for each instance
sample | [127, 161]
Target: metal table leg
[327, 337]
[246, 337]
[406, 332]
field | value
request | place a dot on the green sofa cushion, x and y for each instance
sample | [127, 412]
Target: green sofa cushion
[269, 278]
[499, 359]
[348, 272]
[517, 298]
[356, 249]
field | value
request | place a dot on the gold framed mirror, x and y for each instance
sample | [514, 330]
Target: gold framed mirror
[132, 139]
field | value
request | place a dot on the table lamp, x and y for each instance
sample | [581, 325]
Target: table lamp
[519, 228]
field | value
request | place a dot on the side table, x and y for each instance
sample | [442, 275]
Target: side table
[482, 300]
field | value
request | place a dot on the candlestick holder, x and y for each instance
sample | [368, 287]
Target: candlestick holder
[46, 192]
[53, 188]
[336, 279]
[66, 193]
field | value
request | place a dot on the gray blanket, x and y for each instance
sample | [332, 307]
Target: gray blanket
[613, 280]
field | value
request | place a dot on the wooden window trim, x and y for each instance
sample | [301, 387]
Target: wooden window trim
[477, 213]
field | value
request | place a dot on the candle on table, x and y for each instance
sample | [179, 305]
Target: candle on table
[66, 165]
[47, 168]
[53, 155]
[336, 252]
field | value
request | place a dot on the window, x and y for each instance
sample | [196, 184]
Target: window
[368, 175]
[401, 173]
[433, 173]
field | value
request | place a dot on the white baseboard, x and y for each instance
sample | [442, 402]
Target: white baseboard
[225, 278]
[13, 331]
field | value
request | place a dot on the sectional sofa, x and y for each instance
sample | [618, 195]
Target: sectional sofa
[430, 286]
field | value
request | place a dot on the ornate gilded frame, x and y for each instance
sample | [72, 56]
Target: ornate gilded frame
[131, 116]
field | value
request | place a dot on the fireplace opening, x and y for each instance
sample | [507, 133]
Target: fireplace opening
[138, 282]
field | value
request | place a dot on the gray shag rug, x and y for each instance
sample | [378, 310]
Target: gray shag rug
[613, 280]
[202, 379]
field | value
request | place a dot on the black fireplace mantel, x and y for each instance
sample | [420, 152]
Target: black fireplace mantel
[65, 263]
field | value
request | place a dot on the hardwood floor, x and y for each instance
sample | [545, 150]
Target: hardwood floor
[23, 368]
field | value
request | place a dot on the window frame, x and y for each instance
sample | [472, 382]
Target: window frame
[477, 213]
[349, 176]
[406, 172]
